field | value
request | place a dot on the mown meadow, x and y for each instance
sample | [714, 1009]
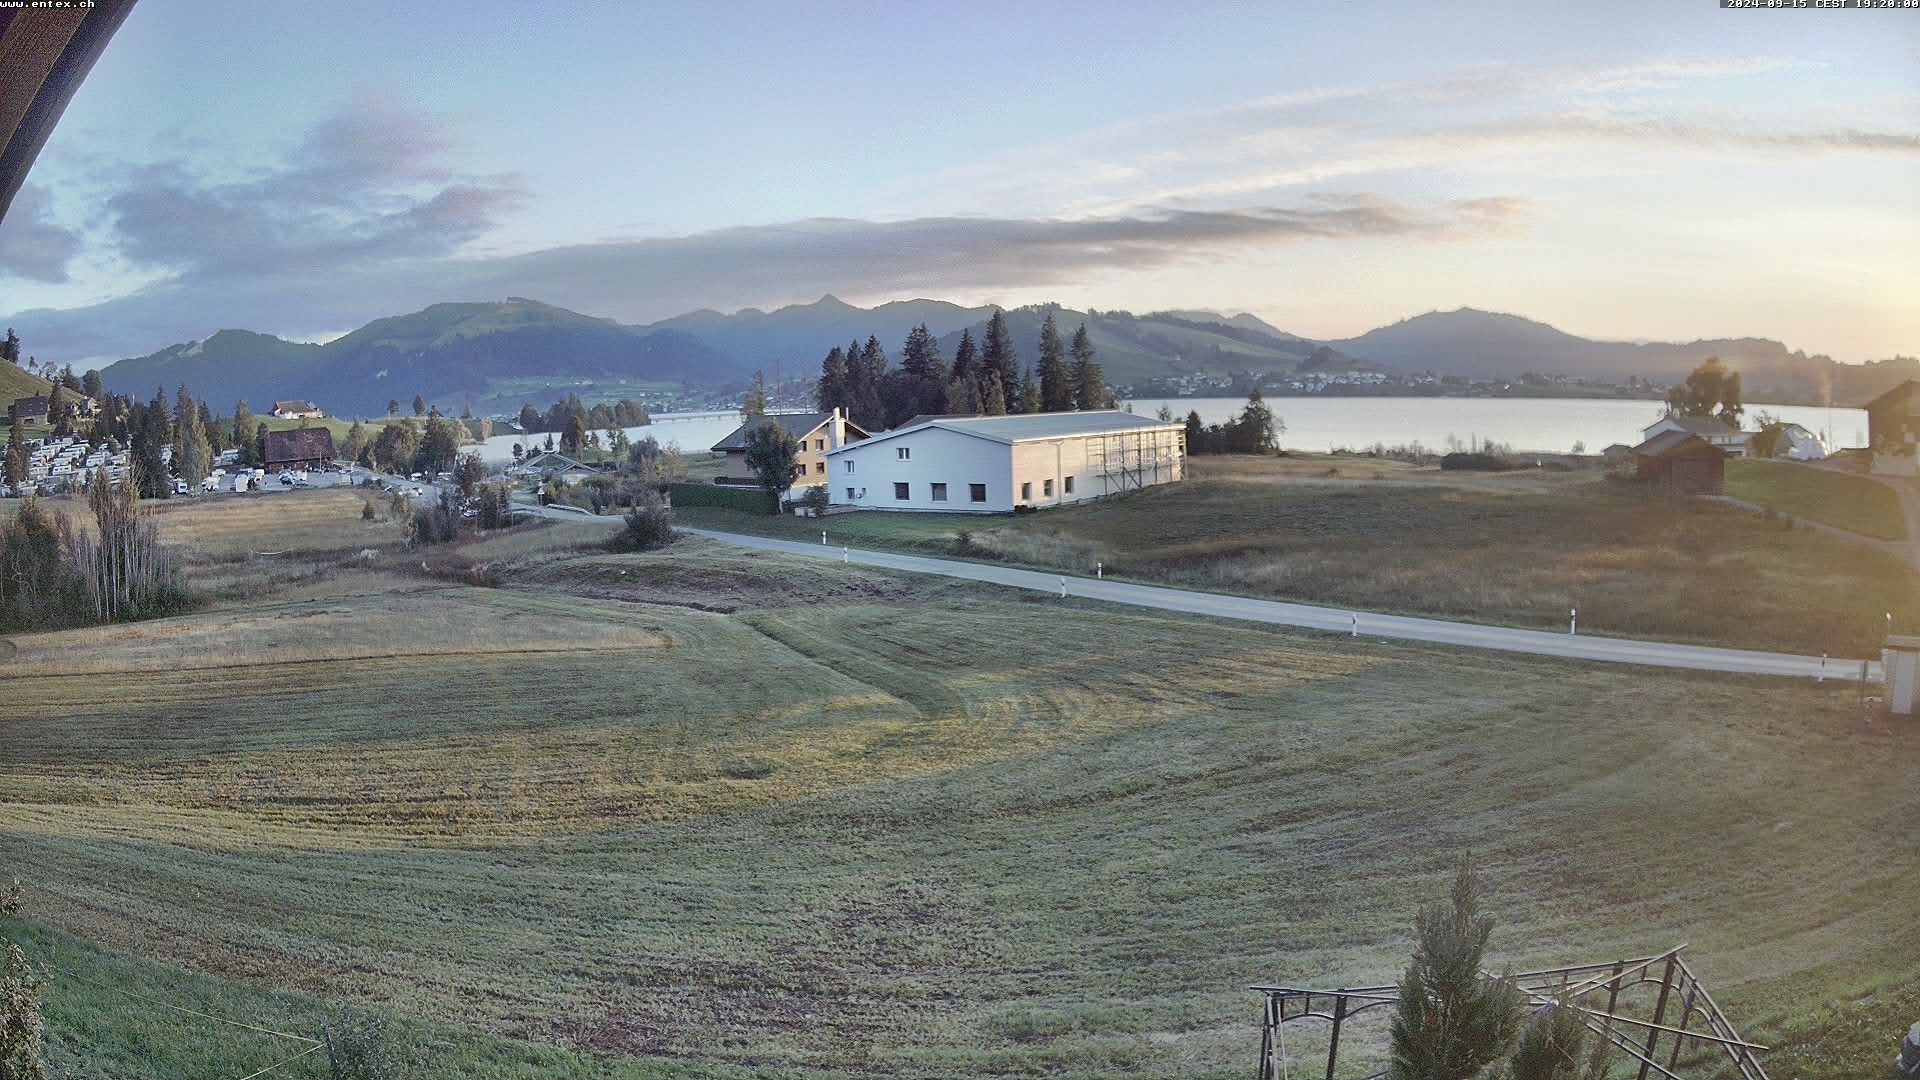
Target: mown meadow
[700, 813]
[1513, 549]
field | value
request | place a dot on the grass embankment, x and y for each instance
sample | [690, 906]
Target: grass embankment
[1512, 549]
[868, 824]
[1844, 500]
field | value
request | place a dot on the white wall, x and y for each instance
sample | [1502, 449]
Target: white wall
[939, 456]
[934, 456]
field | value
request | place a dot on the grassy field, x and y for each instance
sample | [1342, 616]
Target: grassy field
[703, 813]
[1516, 549]
[1844, 500]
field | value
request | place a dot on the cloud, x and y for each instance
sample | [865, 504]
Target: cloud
[32, 244]
[645, 279]
[367, 184]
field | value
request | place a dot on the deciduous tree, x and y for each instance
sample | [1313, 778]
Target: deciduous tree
[1710, 390]
[770, 451]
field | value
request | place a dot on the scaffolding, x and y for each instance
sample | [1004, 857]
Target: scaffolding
[1137, 458]
[1613, 996]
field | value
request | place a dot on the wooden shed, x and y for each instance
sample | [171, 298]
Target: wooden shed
[1680, 463]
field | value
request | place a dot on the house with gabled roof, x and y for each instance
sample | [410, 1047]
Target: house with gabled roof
[817, 433]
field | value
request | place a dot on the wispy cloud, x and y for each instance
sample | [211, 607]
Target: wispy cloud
[32, 244]
[639, 280]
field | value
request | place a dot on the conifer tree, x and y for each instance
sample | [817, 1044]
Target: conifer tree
[10, 348]
[193, 460]
[755, 402]
[994, 401]
[1089, 381]
[1029, 392]
[830, 392]
[1453, 1020]
[419, 405]
[867, 407]
[999, 359]
[17, 452]
[1056, 391]
[966, 359]
[240, 434]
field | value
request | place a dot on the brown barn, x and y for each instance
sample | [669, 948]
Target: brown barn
[1681, 464]
[302, 448]
[30, 410]
[1893, 418]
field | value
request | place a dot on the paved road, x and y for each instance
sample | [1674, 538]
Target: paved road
[1536, 642]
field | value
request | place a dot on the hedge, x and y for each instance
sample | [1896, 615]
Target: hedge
[751, 500]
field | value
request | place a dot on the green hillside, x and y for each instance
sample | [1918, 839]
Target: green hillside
[16, 383]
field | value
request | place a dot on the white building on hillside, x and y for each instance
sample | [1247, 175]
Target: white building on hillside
[991, 464]
[1730, 439]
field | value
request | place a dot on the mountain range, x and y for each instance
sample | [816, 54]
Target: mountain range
[496, 355]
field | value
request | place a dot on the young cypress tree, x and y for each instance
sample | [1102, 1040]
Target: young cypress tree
[1453, 1020]
[1056, 391]
[1089, 381]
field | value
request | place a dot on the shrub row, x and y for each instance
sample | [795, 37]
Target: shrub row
[753, 501]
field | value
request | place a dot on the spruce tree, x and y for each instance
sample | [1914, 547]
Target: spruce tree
[1056, 391]
[17, 452]
[998, 357]
[755, 402]
[1089, 381]
[419, 405]
[994, 401]
[10, 348]
[830, 392]
[240, 434]
[1030, 401]
[193, 460]
[1554, 1047]
[966, 360]
[1453, 1020]
[868, 408]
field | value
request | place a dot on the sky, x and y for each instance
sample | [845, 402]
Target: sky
[1639, 171]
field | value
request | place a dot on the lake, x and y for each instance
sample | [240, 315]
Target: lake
[1542, 425]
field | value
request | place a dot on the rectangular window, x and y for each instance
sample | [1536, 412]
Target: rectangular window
[939, 493]
[820, 466]
[902, 453]
[977, 492]
[900, 491]
[1046, 487]
[850, 495]
[849, 465]
[819, 444]
[1069, 485]
[1026, 491]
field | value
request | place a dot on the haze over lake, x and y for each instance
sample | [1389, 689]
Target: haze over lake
[1319, 424]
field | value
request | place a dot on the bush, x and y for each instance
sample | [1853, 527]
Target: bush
[367, 512]
[21, 1057]
[436, 524]
[816, 499]
[1471, 462]
[358, 1047]
[649, 526]
[752, 502]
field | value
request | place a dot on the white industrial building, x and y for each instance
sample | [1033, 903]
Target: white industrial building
[992, 464]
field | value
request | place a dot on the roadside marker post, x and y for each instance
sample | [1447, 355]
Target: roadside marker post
[1822, 677]
[823, 538]
[843, 554]
[1100, 570]
[1063, 588]
[1356, 623]
[1573, 620]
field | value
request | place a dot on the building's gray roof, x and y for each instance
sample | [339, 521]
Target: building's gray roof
[1023, 427]
[1672, 443]
[1699, 425]
[797, 424]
